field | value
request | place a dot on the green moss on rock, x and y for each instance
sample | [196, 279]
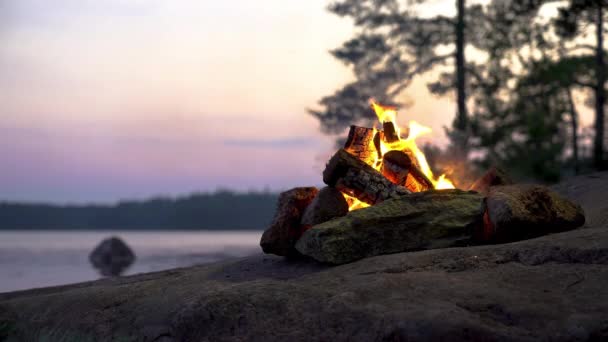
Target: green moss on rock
[433, 219]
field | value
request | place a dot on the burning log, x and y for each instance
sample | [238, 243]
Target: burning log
[400, 169]
[354, 177]
[417, 181]
[396, 166]
[360, 143]
[378, 138]
[390, 133]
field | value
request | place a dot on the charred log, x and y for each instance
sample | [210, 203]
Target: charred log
[396, 166]
[354, 177]
[286, 229]
[390, 133]
[360, 143]
[378, 138]
[328, 204]
[416, 181]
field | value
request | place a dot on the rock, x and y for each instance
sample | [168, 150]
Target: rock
[551, 288]
[493, 177]
[590, 192]
[328, 204]
[517, 212]
[112, 257]
[286, 228]
[433, 219]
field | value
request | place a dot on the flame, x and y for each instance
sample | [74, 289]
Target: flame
[384, 113]
[354, 203]
[389, 114]
[444, 183]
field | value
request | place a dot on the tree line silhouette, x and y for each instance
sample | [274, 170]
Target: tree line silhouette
[222, 210]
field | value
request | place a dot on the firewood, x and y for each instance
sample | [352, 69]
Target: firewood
[378, 138]
[400, 169]
[365, 145]
[390, 133]
[416, 181]
[360, 143]
[286, 229]
[328, 204]
[354, 177]
[396, 166]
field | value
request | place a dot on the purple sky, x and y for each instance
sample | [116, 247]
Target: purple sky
[103, 100]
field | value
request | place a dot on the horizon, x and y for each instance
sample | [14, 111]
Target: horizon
[152, 197]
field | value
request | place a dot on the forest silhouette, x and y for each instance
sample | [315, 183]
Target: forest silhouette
[513, 67]
[222, 210]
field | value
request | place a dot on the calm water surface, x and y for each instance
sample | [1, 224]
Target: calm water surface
[46, 258]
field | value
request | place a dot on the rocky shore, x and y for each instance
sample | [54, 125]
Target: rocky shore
[549, 288]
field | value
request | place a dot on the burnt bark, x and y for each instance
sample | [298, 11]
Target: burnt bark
[390, 133]
[286, 229]
[360, 143]
[354, 177]
[396, 166]
[417, 181]
[328, 204]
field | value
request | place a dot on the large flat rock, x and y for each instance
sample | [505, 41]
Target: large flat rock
[424, 220]
[549, 288]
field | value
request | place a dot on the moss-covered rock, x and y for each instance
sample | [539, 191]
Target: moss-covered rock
[522, 211]
[433, 219]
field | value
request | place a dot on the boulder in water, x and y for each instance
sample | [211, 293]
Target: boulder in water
[112, 257]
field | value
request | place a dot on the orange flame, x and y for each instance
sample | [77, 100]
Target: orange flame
[354, 203]
[389, 114]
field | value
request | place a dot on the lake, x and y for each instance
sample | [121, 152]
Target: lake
[30, 259]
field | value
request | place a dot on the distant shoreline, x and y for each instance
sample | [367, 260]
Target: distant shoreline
[223, 210]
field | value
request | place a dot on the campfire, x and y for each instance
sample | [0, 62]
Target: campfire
[382, 197]
[393, 154]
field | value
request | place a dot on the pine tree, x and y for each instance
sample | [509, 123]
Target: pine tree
[394, 43]
[571, 22]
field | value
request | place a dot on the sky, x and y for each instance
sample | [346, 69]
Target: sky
[126, 99]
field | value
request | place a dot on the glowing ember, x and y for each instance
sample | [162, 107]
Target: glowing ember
[389, 115]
